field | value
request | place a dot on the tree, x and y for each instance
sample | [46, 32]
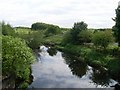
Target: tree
[116, 28]
[102, 38]
[39, 26]
[7, 29]
[52, 30]
[75, 31]
[85, 36]
[34, 39]
[16, 58]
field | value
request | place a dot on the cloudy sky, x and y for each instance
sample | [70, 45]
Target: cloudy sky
[96, 13]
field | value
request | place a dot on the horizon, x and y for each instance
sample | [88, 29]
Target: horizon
[97, 14]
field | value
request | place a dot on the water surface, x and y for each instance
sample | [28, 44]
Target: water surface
[55, 69]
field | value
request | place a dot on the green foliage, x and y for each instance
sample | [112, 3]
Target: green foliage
[75, 31]
[85, 36]
[79, 26]
[114, 67]
[73, 35]
[24, 85]
[41, 26]
[67, 38]
[116, 28]
[102, 38]
[34, 39]
[17, 57]
[52, 30]
[56, 39]
[7, 29]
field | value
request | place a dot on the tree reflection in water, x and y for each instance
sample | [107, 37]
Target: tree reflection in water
[78, 68]
[100, 77]
[52, 51]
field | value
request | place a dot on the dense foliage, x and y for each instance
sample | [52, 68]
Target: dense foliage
[85, 36]
[52, 30]
[40, 26]
[7, 29]
[74, 36]
[102, 38]
[17, 58]
[34, 39]
[116, 28]
[76, 30]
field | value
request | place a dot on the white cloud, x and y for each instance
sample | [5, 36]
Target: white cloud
[97, 13]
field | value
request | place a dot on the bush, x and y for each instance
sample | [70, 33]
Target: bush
[73, 36]
[7, 29]
[17, 58]
[102, 38]
[52, 30]
[85, 36]
[34, 39]
[39, 26]
[75, 31]
[67, 38]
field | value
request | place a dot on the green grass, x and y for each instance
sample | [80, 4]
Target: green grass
[22, 31]
[54, 39]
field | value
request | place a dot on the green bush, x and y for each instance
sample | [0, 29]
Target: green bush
[52, 30]
[7, 29]
[67, 38]
[24, 85]
[75, 31]
[85, 36]
[102, 38]
[16, 58]
[34, 39]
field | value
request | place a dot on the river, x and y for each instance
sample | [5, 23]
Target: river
[55, 69]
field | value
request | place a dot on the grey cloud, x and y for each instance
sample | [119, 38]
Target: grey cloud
[97, 13]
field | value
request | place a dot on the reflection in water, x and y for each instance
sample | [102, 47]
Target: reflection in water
[52, 51]
[58, 72]
[78, 68]
[100, 77]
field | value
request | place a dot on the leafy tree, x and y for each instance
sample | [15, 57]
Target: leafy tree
[78, 27]
[73, 35]
[7, 29]
[85, 36]
[102, 38]
[52, 30]
[34, 39]
[67, 38]
[116, 28]
[16, 58]
[39, 26]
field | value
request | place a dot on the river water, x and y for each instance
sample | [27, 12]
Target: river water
[55, 69]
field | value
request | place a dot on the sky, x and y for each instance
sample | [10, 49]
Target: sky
[96, 13]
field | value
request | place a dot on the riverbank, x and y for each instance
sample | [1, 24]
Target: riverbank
[108, 59]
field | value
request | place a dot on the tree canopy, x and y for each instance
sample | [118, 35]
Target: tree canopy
[17, 57]
[116, 28]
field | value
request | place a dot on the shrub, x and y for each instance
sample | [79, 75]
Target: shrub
[7, 29]
[102, 38]
[85, 36]
[73, 36]
[17, 58]
[52, 30]
[75, 31]
[34, 39]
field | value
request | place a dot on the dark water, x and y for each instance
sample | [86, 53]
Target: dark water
[55, 69]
